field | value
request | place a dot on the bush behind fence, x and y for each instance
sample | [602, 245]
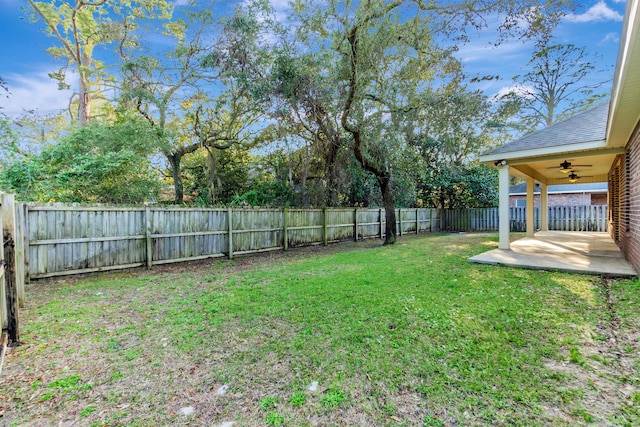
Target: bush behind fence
[65, 240]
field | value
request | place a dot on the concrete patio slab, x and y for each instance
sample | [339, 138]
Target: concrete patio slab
[570, 251]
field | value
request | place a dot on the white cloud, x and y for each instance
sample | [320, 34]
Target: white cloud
[522, 91]
[598, 12]
[610, 38]
[35, 91]
[481, 51]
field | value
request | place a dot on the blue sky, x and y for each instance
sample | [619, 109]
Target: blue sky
[597, 24]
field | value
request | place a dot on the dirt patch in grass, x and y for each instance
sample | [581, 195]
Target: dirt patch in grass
[601, 379]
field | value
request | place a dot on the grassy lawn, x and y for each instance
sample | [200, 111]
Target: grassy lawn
[408, 335]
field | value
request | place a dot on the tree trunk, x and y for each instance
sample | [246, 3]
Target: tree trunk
[174, 161]
[388, 200]
[332, 184]
[211, 179]
[84, 101]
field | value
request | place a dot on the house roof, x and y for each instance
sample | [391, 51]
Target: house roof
[596, 187]
[585, 127]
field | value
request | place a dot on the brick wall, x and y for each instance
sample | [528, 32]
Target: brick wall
[629, 196]
[565, 199]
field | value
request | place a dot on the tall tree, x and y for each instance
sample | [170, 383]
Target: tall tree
[561, 81]
[307, 107]
[457, 125]
[205, 92]
[388, 54]
[81, 27]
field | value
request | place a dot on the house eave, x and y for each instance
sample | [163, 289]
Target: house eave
[546, 151]
[623, 108]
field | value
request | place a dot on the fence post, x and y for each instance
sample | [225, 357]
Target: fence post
[285, 231]
[430, 220]
[400, 222]
[25, 217]
[355, 224]
[325, 238]
[20, 252]
[381, 227]
[230, 231]
[10, 282]
[417, 222]
[149, 240]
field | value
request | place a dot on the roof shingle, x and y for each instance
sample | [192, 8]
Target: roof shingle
[590, 125]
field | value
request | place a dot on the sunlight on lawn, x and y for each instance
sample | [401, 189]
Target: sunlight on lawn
[582, 287]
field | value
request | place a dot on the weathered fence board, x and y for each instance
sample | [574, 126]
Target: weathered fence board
[12, 257]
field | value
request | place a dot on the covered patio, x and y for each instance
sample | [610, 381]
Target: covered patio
[570, 251]
[573, 151]
[601, 144]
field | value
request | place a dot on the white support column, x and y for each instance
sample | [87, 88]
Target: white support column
[503, 211]
[544, 207]
[531, 225]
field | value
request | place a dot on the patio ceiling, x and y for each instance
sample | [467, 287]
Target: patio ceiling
[590, 166]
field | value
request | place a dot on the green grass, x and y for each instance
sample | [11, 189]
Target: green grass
[410, 334]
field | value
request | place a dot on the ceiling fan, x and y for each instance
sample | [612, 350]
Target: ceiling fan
[567, 167]
[574, 177]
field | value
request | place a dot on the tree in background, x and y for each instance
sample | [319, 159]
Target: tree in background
[205, 93]
[364, 106]
[306, 98]
[232, 167]
[458, 124]
[561, 81]
[389, 53]
[83, 26]
[96, 163]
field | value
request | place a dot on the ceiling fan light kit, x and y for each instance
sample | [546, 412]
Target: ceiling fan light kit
[565, 167]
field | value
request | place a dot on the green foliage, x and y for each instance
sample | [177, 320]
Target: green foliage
[298, 399]
[8, 138]
[66, 382]
[365, 92]
[273, 418]
[216, 176]
[458, 186]
[267, 403]
[266, 192]
[81, 28]
[430, 421]
[96, 163]
[87, 411]
[332, 398]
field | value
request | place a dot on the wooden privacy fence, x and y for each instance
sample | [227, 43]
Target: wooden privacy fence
[560, 218]
[65, 240]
